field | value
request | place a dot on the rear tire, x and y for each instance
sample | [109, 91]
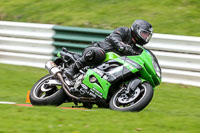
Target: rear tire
[54, 97]
[140, 102]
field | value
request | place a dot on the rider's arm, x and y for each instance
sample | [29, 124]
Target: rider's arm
[116, 38]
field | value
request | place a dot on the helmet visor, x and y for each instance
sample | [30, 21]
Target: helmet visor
[145, 35]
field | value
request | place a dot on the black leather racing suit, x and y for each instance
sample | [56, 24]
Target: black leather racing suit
[95, 54]
[113, 42]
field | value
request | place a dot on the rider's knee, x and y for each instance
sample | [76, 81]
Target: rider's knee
[94, 55]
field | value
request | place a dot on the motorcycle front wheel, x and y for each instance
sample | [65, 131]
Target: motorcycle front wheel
[43, 93]
[135, 100]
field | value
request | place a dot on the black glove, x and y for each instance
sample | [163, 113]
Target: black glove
[128, 50]
[125, 49]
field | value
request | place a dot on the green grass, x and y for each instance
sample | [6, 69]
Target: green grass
[167, 16]
[174, 109]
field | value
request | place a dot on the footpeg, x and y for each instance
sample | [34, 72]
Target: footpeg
[68, 82]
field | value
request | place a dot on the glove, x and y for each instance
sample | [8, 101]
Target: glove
[125, 49]
[128, 50]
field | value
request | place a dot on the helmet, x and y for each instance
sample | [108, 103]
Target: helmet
[141, 31]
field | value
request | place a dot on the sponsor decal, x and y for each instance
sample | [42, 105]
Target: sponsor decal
[96, 92]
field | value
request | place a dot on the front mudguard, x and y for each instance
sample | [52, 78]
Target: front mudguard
[133, 84]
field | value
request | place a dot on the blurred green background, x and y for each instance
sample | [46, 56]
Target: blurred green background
[180, 17]
[174, 108]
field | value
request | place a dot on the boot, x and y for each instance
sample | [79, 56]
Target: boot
[69, 72]
[74, 68]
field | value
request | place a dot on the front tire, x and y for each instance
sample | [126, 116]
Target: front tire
[55, 96]
[137, 101]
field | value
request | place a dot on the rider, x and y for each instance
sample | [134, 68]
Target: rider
[122, 41]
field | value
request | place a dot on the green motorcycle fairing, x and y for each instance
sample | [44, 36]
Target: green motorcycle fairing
[147, 72]
[101, 89]
[143, 64]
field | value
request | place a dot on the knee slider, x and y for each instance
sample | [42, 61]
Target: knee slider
[89, 55]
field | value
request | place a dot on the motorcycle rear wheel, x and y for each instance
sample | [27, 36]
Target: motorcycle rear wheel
[136, 101]
[54, 97]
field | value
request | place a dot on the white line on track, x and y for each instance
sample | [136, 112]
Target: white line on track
[2, 102]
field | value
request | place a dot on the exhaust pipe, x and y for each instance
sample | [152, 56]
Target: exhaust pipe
[66, 89]
[53, 69]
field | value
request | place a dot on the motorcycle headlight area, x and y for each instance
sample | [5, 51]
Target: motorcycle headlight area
[157, 68]
[155, 64]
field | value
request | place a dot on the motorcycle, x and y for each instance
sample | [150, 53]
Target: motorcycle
[123, 83]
